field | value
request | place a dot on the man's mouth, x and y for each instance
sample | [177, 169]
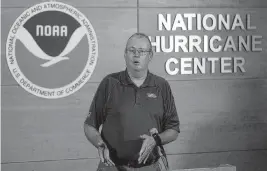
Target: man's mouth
[136, 62]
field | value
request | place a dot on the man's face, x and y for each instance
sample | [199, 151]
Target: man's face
[138, 54]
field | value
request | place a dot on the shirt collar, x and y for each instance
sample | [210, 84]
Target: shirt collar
[126, 80]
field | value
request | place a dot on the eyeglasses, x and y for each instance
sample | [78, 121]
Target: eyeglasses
[141, 52]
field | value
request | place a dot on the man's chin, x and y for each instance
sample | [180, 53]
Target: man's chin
[137, 68]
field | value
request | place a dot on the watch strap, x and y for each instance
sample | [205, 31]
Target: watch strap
[157, 139]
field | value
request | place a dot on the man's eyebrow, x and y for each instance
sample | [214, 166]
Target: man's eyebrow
[143, 49]
[132, 47]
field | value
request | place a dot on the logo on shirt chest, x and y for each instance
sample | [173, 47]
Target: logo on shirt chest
[151, 95]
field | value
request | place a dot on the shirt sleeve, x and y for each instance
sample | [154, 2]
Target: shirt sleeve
[96, 115]
[170, 117]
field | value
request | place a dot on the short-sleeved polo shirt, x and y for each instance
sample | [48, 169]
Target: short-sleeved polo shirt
[127, 111]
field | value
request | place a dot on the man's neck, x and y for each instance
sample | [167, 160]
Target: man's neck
[137, 75]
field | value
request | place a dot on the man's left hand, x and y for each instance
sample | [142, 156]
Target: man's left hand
[147, 147]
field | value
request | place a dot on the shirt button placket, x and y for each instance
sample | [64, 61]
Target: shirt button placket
[137, 97]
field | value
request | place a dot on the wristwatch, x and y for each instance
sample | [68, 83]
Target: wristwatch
[101, 144]
[157, 139]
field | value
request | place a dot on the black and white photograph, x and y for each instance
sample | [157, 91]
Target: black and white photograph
[133, 85]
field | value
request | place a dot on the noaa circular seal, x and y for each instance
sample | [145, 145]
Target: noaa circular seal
[51, 50]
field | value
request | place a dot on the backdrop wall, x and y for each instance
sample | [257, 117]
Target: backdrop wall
[223, 116]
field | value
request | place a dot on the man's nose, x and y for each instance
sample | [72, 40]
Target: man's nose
[137, 55]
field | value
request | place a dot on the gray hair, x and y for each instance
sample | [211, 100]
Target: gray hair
[141, 35]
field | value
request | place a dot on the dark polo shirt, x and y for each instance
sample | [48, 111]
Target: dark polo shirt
[127, 111]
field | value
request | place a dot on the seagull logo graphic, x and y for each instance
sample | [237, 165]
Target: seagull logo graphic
[27, 40]
[48, 41]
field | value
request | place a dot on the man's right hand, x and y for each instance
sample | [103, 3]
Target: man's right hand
[104, 154]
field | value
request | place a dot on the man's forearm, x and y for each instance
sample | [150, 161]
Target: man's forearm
[168, 136]
[92, 135]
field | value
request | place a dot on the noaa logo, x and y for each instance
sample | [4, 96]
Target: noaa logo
[51, 50]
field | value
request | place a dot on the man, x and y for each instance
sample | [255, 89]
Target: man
[137, 111]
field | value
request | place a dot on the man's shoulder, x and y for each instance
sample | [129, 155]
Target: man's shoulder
[158, 80]
[113, 77]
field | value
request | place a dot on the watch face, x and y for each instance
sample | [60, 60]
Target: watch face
[157, 139]
[101, 144]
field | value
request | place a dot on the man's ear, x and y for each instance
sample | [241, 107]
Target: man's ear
[124, 53]
[150, 55]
